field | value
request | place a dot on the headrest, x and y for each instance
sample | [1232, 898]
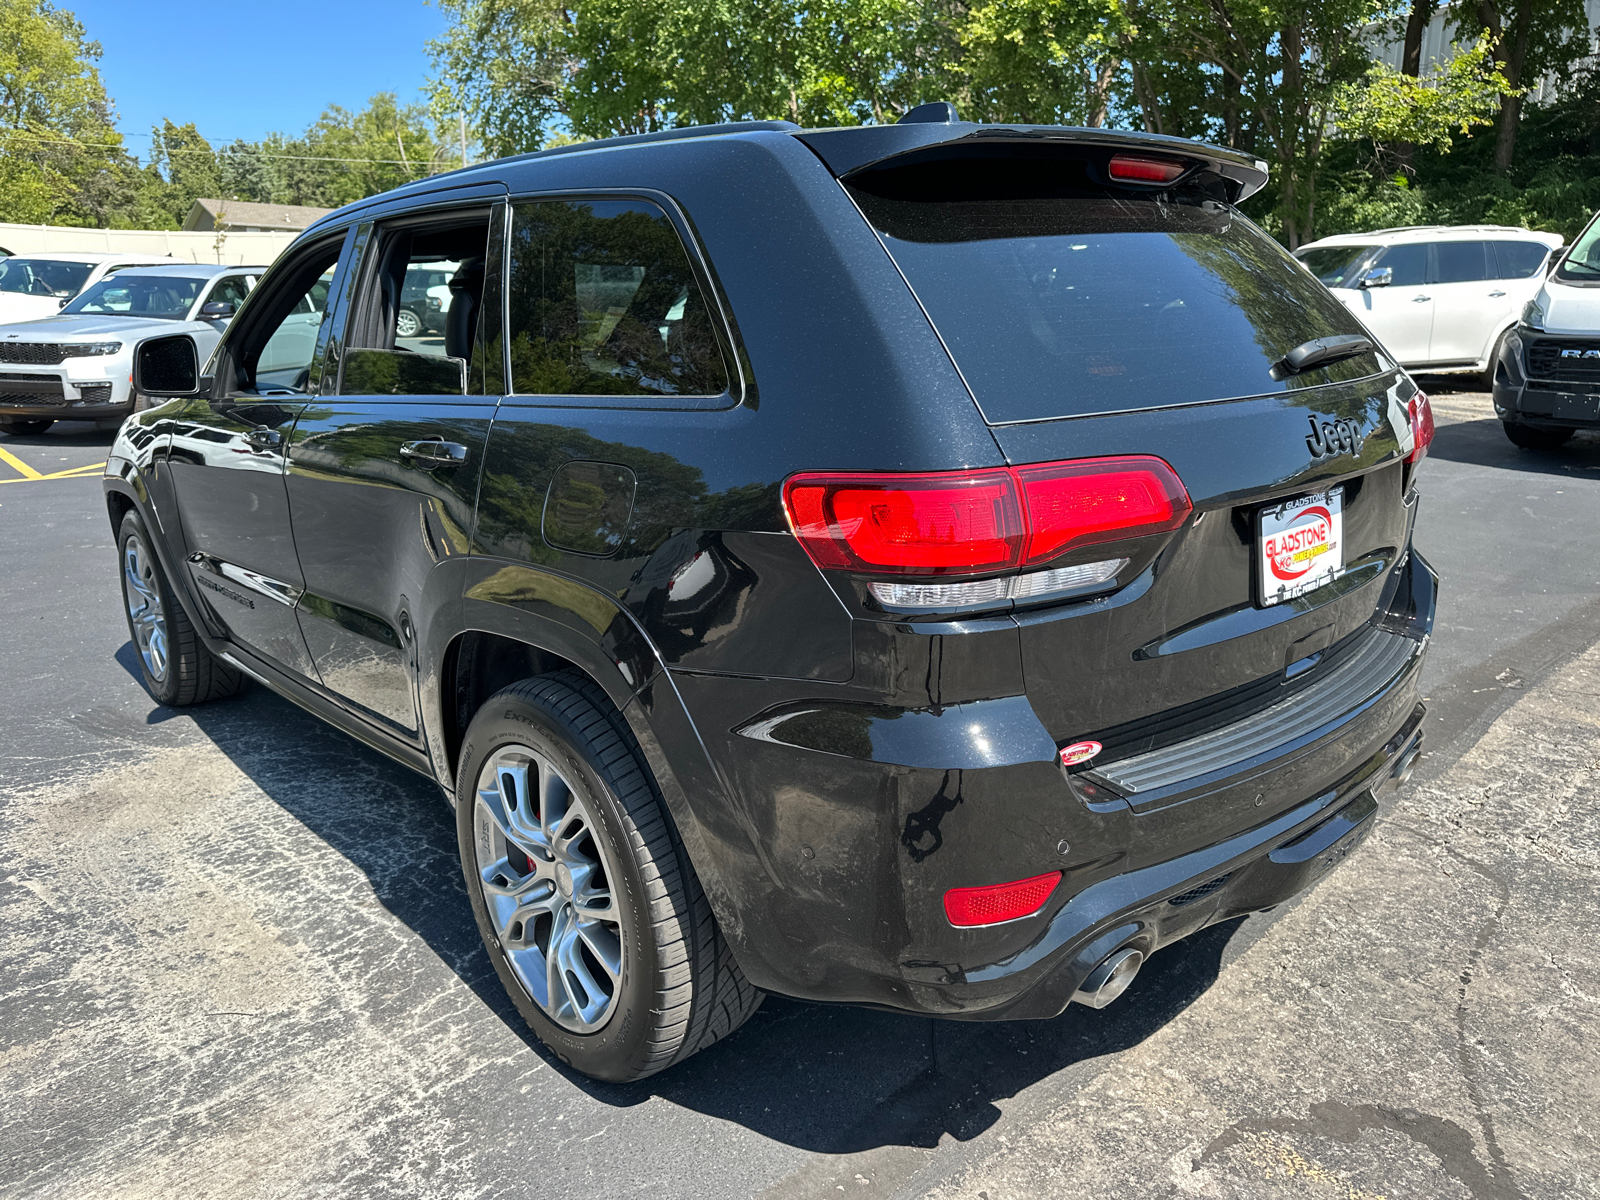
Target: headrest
[468, 276]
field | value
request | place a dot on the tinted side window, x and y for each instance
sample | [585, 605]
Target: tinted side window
[1518, 260]
[1409, 264]
[229, 290]
[603, 302]
[1461, 262]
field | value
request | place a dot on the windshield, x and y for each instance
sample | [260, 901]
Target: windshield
[160, 296]
[1090, 303]
[42, 276]
[1582, 263]
[1336, 266]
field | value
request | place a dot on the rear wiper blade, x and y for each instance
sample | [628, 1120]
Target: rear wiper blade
[1320, 352]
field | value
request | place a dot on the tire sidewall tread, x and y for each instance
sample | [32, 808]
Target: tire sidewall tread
[676, 984]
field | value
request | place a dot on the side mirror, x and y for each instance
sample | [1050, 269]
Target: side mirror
[1377, 277]
[62, 303]
[167, 366]
[216, 310]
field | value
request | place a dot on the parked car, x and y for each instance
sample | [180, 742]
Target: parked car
[39, 285]
[930, 566]
[1441, 298]
[77, 364]
[424, 299]
[1547, 377]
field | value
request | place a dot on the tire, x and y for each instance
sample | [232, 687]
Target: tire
[176, 667]
[407, 324]
[1529, 438]
[26, 426]
[645, 981]
[1486, 376]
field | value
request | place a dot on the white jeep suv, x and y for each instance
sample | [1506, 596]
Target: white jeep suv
[1439, 297]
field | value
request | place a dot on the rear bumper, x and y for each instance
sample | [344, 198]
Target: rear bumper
[864, 817]
[1158, 905]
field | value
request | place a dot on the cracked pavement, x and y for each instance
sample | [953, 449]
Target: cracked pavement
[237, 957]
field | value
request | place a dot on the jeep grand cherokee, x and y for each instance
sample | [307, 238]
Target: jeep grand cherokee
[930, 566]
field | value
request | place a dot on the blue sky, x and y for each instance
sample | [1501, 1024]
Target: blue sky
[245, 70]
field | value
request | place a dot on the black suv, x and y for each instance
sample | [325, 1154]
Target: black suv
[929, 566]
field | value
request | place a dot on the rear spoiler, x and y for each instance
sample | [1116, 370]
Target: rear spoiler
[850, 151]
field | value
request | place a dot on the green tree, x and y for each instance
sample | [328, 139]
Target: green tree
[1394, 110]
[1528, 38]
[60, 156]
[506, 66]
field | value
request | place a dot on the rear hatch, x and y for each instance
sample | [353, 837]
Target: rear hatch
[1092, 316]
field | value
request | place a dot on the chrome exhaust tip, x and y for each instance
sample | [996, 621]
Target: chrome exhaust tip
[1407, 764]
[1110, 979]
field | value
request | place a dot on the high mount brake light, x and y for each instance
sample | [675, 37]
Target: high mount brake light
[1421, 412]
[982, 521]
[1133, 168]
[1001, 902]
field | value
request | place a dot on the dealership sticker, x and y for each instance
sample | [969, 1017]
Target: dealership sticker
[1301, 545]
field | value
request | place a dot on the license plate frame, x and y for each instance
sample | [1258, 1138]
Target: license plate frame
[1314, 525]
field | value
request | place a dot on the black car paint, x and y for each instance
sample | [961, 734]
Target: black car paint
[829, 765]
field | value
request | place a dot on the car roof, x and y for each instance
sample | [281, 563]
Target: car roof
[74, 256]
[1402, 234]
[189, 270]
[843, 150]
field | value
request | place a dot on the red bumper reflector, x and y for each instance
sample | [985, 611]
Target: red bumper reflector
[1421, 410]
[1079, 752]
[980, 521]
[1001, 902]
[1132, 168]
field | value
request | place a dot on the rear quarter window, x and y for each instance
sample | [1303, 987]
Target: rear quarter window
[604, 302]
[1518, 260]
[1076, 304]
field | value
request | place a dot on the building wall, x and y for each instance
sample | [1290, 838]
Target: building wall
[230, 249]
[1440, 33]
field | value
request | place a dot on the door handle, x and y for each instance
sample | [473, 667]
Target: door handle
[262, 438]
[1497, 293]
[432, 454]
[1420, 299]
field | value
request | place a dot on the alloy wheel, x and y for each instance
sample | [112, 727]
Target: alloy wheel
[143, 598]
[547, 883]
[407, 324]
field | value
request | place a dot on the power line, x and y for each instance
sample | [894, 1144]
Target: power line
[229, 150]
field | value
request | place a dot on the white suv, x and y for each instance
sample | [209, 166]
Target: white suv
[1439, 297]
[39, 285]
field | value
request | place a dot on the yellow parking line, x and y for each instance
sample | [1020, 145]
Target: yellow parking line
[78, 472]
[34, 477]
[17, 464]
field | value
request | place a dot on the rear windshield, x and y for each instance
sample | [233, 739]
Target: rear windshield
[1056, 306]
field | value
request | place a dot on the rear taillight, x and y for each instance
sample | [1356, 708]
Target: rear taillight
[1135, 168]
[1421, 411]
[1001, 902]
[983, 522]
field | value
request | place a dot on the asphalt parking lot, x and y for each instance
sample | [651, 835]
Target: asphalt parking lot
[238, 957]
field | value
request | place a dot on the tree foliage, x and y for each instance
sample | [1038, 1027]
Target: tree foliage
[1389, 108]
[55, 119]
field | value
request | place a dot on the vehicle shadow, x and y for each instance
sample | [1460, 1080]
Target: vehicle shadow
[1484, 443]
[831, 1079]
[62, 433]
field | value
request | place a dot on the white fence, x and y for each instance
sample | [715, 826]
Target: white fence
[231, 249]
